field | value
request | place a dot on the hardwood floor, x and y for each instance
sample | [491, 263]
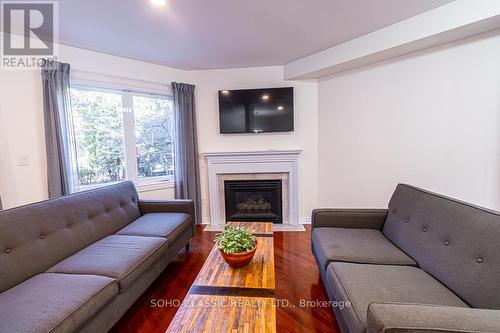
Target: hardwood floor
[297, 279]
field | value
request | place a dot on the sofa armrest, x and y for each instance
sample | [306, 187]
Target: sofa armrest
[167, 206]
[401, 317]
[349, 218]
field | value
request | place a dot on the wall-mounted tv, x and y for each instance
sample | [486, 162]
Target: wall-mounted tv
[256, 110]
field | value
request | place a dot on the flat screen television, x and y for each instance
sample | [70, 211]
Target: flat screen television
[256, 110]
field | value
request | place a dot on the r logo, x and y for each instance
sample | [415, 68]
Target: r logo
[34, 21]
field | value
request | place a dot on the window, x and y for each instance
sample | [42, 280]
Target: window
[119, 135]
[154, 139]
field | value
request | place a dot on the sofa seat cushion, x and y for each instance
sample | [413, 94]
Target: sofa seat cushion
[123, 258]
[51, 302]
[366, 246]
[169, 225]
[362, 284]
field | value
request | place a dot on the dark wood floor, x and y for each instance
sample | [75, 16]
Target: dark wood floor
[297, 278]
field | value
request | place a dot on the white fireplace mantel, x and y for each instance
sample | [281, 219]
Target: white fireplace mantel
[254, 162]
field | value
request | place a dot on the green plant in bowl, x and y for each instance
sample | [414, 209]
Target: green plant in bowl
[235, 240]
[237, 245]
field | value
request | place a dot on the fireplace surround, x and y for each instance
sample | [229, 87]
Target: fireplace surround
[255, 165]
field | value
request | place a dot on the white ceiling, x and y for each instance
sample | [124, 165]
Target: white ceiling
[206, 34]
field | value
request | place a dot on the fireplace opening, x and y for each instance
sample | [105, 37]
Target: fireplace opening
[253, 200]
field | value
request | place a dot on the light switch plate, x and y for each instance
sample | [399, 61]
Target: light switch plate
[23, 160]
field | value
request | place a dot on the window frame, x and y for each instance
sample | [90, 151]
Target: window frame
[129, 134]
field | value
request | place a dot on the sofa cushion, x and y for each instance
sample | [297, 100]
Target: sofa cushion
[363, 284]
[455, 242]
[367, 246]
[54, 302]
[123, 258]
[168, 225]
[42, 234]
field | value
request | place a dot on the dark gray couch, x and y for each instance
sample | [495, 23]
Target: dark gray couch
[77, 263]
[427, 264]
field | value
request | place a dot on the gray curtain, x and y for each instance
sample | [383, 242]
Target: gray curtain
[187, 173]
[56, 104]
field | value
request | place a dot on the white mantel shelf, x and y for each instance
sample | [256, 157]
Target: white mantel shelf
[252, 162]
[216, 156]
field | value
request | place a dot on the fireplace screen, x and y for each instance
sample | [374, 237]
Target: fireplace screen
[253, 200]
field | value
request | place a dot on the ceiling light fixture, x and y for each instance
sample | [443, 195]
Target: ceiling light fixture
[265, 97]
[159, 3]
[280, 108]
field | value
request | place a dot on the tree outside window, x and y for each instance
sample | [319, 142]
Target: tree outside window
[121, 135]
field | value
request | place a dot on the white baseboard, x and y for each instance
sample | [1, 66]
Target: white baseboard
[302, 220]
[305, 220]
[276, 227]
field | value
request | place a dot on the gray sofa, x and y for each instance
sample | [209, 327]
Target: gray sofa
[427, 264]
[77, 263]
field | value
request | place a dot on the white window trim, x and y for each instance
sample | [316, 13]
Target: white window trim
[142, 184]
[141, 187]
[81, 77]
[160, 185]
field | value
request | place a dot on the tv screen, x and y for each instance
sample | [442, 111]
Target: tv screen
[256, 110]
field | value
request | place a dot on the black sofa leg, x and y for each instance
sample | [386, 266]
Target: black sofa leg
[187, 247]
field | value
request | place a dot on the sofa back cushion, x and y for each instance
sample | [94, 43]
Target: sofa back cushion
[35, 237]
[456, 242]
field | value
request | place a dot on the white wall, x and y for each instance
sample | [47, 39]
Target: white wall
[209, 82]
[21, 118]
[431, 119]
[21, 133]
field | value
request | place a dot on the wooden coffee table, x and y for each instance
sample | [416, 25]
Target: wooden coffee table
[223, 299]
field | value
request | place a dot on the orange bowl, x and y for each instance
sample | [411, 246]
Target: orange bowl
[238, 260]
